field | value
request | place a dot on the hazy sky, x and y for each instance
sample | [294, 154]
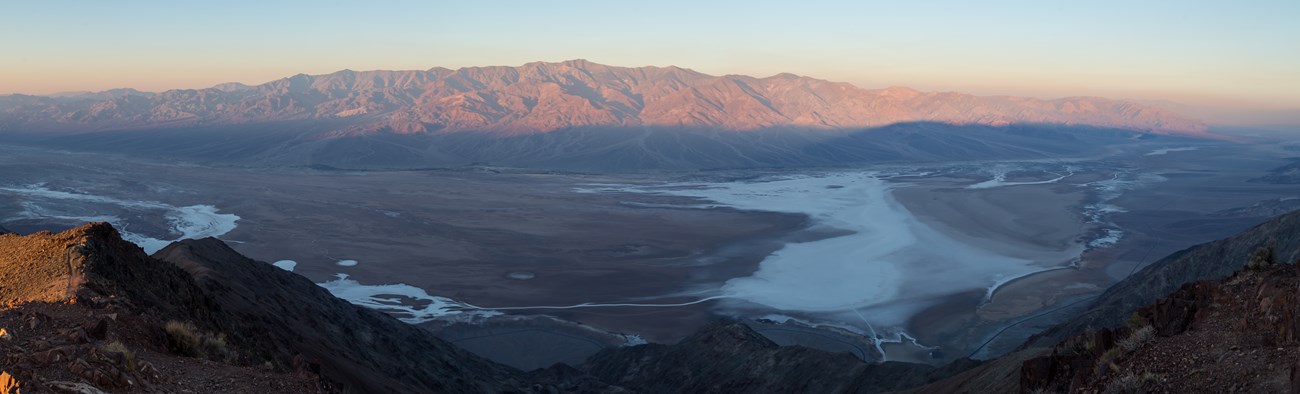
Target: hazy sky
[1232, 52]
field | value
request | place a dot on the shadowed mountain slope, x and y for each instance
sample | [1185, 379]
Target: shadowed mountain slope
[285, 316]
[1211, 260]
[731, 357]
[244, 317]
[1222, 316]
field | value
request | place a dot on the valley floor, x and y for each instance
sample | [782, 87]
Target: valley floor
[472, 240]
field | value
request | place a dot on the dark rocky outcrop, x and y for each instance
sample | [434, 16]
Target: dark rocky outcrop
[1210, 260]
[730, 357]
[1232, 335]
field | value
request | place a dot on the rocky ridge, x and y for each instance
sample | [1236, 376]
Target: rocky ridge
[1238, 334]
[86, 307]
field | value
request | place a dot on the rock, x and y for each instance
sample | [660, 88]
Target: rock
[53, 356]
[99, 331]
[101, 375]
[77, 335]
[149, 372]
[1278, 305]
[9, 385]
[1295, 378]
[1172, 315]
[74, 388]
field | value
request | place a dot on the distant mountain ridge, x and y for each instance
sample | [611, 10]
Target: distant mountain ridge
[544, 97]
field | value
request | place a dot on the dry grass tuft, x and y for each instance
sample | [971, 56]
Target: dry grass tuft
[117, 347]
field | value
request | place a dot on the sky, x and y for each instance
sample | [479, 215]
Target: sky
[1239, 54]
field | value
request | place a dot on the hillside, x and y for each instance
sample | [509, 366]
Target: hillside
[86, 307]
[1211, 260]
[1211, 318]
[1237, 334]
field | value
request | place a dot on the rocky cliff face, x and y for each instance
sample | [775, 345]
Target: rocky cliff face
[541, 97]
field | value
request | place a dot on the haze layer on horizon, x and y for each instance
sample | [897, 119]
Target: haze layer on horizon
[1223, 54]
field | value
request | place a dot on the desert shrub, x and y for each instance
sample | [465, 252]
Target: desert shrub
[184, 339]
[1135, 321]
[117, 347]
[216, 345]
[1124, 385]
[1107, 360]
[1131, 384]
[1263, 257]
[1079, 344]
[1138, 338]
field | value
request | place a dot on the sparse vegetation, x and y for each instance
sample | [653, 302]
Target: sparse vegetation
[215, 344]
[185, 339]
[1263, 257]
[1131, 384]
[116, 347]
[1137, 339]
[1136, 321]
[1079, 345]
[1107, 360]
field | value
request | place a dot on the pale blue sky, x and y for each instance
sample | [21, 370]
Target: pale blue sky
[1203, 51]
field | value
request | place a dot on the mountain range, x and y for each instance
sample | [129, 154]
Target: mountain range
[542, 97]
[576, 115]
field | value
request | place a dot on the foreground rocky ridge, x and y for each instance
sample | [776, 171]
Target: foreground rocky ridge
[231, 316]
[1238, 334]
[541, 97]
